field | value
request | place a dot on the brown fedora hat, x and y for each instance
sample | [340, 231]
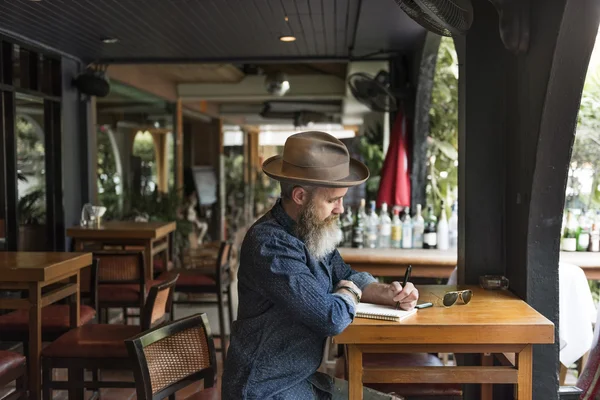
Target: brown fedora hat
[317, 159]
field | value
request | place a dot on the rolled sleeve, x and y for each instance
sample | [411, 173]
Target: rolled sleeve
[281, 273]
[342, 271]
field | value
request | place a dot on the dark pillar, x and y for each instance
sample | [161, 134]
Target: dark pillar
[75, 178]
[517, 121]
[427, 61]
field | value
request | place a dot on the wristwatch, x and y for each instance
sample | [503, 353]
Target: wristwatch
[351, 290]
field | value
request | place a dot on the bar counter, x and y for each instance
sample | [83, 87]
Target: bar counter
[438, 263]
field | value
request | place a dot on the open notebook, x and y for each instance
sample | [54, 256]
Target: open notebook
[376, 311]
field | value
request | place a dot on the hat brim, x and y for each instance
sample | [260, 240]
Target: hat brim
[359, 173]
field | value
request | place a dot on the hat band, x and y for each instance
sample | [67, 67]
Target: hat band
[334, 173]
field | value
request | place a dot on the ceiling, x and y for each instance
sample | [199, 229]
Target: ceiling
[212, 30]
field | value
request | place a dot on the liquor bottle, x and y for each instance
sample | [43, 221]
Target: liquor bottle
[430, 233]
[347, 223]
[372, 227]
[396, 229]
[594, 239]
[569, 239]
[385, 228]
[418, 229]
[453, 227]
[407, 230]
[359, 227]
[442, 229]
[583, 233]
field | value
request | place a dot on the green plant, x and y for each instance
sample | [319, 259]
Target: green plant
[442, 153]
[234, 193]
[108, 180]
[31, 208]
[370, 148]
[164, 207]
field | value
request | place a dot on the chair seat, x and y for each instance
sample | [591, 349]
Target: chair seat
[9, 360]
[373, 360]
[122, 292]
[55, 318]
[92, 341]
[206, 394]
[190, 278]
[159, 265]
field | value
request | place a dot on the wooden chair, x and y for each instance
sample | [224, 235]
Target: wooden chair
[173, 356]
[121, 281]
[216, 280]
[14, 326]
[100, 347]
[13, 367]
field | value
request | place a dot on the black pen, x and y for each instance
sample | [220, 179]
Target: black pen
[406, 278]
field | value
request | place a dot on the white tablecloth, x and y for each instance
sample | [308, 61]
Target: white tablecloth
[577, 313]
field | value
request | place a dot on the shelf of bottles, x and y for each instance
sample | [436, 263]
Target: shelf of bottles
[368, 228]
[580, 232]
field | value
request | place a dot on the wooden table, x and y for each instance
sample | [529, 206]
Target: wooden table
[438, 263]
[33, 272]
[495, 322]
[393, 262]
[153, 237]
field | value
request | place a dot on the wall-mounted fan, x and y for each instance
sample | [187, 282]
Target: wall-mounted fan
[373, 91]
[444, 17]
[455, 17]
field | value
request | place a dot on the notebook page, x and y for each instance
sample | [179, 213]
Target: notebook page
[376, 311]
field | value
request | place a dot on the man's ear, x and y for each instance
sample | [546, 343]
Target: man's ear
[300, 196]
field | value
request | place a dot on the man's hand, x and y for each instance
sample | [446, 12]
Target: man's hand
[407, 296]
[382, 293]
[351, 285]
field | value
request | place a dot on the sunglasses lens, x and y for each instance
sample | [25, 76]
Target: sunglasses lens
[450, 298]
[467, 295]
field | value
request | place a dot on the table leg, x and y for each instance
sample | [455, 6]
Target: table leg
[149, 260]
[78, 245]
[35, 340]
[525, 371]
[167, 256]
[355, 373]
[487, 389]
[75, 302]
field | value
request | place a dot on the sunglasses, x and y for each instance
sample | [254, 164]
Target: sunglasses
[450, 298]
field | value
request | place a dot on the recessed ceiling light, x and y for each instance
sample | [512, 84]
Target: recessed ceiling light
[287, 38]
[110, 40]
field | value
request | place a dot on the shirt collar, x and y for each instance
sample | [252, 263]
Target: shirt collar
[283, 218]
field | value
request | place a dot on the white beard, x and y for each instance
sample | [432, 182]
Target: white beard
[323, 241]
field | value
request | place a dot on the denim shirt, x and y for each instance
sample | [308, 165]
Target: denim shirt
[287, 309]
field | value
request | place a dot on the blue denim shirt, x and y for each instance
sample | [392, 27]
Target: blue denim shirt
[287, 309]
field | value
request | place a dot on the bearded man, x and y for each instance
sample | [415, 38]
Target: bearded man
[294, 288]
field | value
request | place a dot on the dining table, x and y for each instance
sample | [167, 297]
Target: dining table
[494, 322]
[47, 277]
[152, 238]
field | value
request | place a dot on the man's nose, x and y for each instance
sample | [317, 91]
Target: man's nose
[339, 208]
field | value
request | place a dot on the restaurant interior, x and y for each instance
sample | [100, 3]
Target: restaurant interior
[133, 135]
